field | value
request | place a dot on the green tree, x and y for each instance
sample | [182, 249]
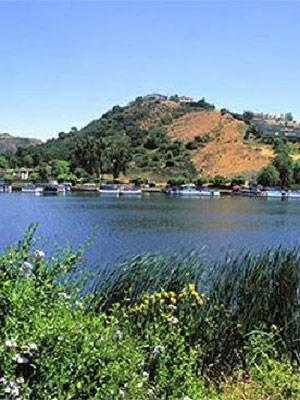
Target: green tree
[60, 167]
[268, 176]
[3, 162]
[28, 161]
[296, 172]
[219, 181]
[43, 171]
[87, 154]
[34, 177]
[117, 154]
[238, 180]
[284, 165]
[8, 178]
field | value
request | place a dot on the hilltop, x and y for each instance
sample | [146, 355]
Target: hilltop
[10, 143]
[159, 136]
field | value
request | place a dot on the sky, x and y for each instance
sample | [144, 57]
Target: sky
[63, 64]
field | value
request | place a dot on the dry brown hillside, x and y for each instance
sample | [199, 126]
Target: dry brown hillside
[226, 153]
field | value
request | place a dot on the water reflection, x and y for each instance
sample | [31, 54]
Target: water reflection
[154, 223]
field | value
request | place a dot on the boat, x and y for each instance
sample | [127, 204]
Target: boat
[54, 189]
[111, 190]
[32, 188]
[279, 194]
[130, 191]
[5, 187]
[192, 191]
[67, 186]
[293, 194]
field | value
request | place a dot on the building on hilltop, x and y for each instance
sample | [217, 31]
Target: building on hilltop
[186, 99]
[155, 96]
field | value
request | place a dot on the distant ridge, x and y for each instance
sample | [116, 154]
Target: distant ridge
[10, 143]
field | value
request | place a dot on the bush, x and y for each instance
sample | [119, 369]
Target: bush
[153, 328]
[219, 181]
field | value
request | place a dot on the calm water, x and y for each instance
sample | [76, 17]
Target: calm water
[155, 223]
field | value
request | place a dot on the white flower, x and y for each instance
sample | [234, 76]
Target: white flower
[78, 304]
[187, 398]
[145, 375]
[158, 350]
[118, 335]
[3, 381]
[38, 254]
[20, 359]
[173, 320]
[20, 380]
[32, 347]
[13, 389]
[11, 343]
[171, 307]
[26, 269]
[140, 385]
[63, 295]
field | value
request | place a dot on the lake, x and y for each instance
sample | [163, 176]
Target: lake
[124, 227]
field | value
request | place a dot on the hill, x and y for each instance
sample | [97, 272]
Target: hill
[156, 136]
[10, 144]
[226, 152]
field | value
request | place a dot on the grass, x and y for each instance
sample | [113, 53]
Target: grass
[153, 327]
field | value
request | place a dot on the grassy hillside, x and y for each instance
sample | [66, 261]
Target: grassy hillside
[158, 138]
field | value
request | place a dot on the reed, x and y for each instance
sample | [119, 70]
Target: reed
[243, 293]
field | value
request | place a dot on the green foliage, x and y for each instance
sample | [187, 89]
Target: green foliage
[60, 167]
[3, 162]
[219, 181]
[284, 163]
[153, 328]
[87, 154]
[90, 147]
[117, 154]
[8, 178]
[238, 180]
[269, 176]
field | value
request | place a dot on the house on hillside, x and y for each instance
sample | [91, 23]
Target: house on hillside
[185, 99]
[155, 96]
[22, 174]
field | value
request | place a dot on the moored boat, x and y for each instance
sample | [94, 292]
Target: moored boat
[293, 194]
[32, 188]
[281, 194]
[110, 190]
[130, 191]
[54, 189]
[192, 191]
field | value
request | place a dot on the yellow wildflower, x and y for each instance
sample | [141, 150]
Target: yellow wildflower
[192, 287]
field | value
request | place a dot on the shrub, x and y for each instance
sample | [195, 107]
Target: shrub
[152, 328]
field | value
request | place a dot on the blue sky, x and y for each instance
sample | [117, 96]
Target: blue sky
[65, 63]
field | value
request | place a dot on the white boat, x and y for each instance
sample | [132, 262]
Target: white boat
[191, 191]
[110, 190]
[275, 194]
[130, 191]
[293, 194]
[31, 188]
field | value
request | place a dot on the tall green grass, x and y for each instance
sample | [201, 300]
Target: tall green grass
[251, 291]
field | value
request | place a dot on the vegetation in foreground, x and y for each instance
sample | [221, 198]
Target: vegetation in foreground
[153, 328]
